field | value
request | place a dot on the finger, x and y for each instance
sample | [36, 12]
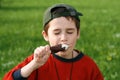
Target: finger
[38, 52]
[42, 50]
[48, 51]
[45, 58]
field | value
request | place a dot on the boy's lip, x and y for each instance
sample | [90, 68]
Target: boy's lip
[65, 46]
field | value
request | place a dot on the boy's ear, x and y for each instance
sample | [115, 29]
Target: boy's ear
[78, 35]
[45, 35]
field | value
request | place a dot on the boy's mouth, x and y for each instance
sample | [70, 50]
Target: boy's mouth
[59, 47]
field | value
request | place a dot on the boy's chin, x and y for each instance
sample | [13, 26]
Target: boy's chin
[62, 53]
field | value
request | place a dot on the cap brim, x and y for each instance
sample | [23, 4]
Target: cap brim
[80, 14]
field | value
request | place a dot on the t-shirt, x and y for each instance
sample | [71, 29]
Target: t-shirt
[82, 67]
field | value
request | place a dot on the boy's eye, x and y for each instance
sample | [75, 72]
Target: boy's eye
[70, 32]
[56, 33]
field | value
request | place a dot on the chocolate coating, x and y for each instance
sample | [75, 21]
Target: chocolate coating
[57, 48]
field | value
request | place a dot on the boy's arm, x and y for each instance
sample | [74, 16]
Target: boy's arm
[41, 55]
[30, 64]
[28, 69]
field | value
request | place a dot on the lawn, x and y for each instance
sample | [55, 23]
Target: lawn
[21, 26]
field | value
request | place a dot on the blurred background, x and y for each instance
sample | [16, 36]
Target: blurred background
[21, 26]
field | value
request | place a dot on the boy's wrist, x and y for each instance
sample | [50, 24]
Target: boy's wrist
[29, 68]
[35, 65]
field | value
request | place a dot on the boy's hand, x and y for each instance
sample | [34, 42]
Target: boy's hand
[41, 55]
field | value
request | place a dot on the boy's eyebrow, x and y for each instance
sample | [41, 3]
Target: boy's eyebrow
[71, 29]
[66, 29]
[56, 30]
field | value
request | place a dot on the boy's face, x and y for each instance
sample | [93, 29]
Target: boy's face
[62, 31]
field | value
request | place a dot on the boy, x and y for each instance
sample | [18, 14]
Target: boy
[61, 24]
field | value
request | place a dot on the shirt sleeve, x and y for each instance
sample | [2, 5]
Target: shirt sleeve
[17, 75]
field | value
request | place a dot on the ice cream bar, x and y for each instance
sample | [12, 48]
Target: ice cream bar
[59, 47]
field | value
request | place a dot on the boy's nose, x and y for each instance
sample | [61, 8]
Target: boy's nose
[63, 38]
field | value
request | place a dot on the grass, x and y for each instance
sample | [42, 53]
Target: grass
[21, 26]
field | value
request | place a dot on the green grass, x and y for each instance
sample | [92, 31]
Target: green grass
[21, 26]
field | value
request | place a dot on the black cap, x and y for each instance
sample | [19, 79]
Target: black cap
[68, 11]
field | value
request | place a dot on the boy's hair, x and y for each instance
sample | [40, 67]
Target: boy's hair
[61, 10]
